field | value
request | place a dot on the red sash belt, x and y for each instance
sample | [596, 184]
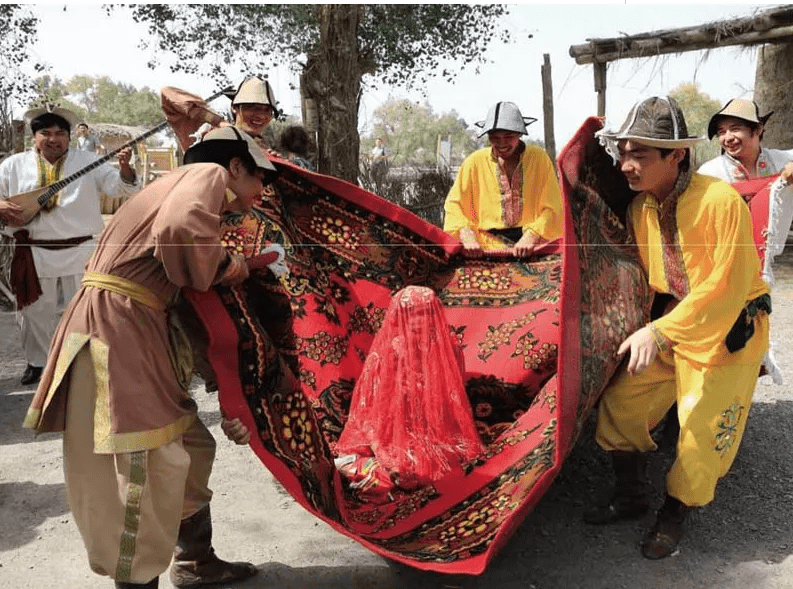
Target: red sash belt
[24, 279]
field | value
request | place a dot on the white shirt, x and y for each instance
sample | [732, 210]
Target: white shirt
[77, 214]
[725, 167]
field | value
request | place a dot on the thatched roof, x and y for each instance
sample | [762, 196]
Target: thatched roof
[103, 130]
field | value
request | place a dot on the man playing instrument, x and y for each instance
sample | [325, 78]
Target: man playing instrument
[53, 247]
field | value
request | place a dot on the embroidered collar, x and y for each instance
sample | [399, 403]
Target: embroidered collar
[48, 174]
[674, 264]
[57, 164]
[511, 188]
[682, 182]
[735, 169]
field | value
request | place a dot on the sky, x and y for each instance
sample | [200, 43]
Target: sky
[80, 39]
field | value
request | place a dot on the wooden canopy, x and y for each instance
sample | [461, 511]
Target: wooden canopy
[770, 26]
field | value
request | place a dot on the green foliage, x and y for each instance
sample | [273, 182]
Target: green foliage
[100, 100]
[17, 35]
[698, 107]
[411, 131]
[397, 43]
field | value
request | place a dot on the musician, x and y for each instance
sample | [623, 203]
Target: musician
[52, 249]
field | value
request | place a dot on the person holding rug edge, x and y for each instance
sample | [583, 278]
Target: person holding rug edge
[137, 459]
[694, 234]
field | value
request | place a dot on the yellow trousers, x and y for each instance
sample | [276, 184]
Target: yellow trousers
[128, 507]
[712, 405]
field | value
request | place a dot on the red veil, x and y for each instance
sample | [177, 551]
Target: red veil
[409, 408]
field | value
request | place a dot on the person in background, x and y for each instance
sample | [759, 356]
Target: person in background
[85, 140]
[505, 195]
[294, 144]
[137, 458]
[739, 129]
[694, 235]
[52, 249]
[379, 163]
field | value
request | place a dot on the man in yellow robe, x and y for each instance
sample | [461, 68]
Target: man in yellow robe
[695, 241]
[508, 190]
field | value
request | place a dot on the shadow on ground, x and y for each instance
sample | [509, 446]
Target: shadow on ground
[29, 506]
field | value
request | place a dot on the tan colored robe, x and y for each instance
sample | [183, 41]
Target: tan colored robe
[165, 238]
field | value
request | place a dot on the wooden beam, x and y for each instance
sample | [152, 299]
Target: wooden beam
[547, 107]
[614, 49]
[772, 26]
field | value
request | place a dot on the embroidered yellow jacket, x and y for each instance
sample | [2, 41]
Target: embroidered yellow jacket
[476, 201]
[703, 253]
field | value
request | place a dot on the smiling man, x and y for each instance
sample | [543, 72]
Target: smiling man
[53, 247]
[739, 129]
[253, 106]
[505, 195]
[694, 235]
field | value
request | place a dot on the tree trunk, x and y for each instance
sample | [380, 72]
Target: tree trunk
[330, 84]
[771, 92]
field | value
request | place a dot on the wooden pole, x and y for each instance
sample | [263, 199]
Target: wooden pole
[600, 86]
[547, 107]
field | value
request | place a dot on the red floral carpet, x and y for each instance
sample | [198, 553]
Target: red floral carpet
[539, 340]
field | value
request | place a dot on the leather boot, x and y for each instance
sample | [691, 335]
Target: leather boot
[31, 375]
[629, 499]
[153, 584]
[664, 536]
[194, 559]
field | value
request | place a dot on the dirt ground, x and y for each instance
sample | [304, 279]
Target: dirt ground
[743, 540]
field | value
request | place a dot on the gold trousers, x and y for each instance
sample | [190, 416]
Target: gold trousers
[128, 506]
[713, 405]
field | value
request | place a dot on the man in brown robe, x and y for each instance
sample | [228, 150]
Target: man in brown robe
[137, 459]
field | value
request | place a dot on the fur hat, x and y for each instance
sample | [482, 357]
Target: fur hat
[232, 139]
[746, 110]
[504, 116]
[70, 117]
[656, 122]
[254, 90]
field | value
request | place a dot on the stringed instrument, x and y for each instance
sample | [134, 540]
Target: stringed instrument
[32, 202]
